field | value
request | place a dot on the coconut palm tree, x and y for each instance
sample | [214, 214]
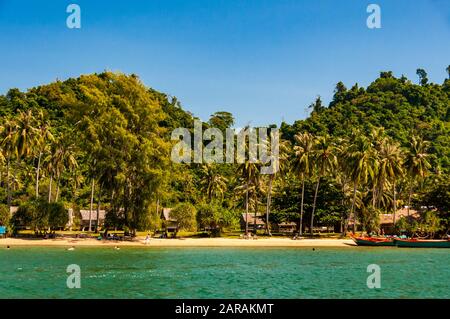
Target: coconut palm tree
[341, 177]
[302, 165]
[249, 173]
[417, 163]
[63, 157]
[212, 182]
[391, 166]
[27, 134]
[44, 136]
[279, 161]
[359, 166]
[9, 149]
[325, 161]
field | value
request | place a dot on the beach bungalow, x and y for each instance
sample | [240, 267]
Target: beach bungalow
[387, 220]
[84, 221]
[253, 221]
[286, 227]
[169, 224]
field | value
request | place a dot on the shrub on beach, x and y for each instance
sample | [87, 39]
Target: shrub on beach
[215, 218]
[40, 216]
[185, 214]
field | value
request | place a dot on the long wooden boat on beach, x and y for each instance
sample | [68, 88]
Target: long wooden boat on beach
[417, 243]
[373, 241]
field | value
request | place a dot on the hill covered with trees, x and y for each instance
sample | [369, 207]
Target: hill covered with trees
[103, 140]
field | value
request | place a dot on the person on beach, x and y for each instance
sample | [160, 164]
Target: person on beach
[147, 239]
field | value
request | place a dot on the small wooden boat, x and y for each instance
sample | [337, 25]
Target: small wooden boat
[373, 241]
[417, 243]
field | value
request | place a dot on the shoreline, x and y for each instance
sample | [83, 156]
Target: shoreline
[179, 242]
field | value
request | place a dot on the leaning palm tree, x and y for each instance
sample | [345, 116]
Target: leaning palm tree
[391, 166]
[359, 167]
[302, 165]
[325, 160]
[417, 163]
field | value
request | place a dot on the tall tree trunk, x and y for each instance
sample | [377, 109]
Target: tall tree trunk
[343, 229]
[395, 203]
[255, 196]
[352, 210]
[409, 197]
[37, 174]
[57, 188]
[374, 196]
[300, 228]
[314, 207]
[157, 212]
[92, 204]
[269, 198]
[98, 209]
[50, 189]
[246, 207]
[8, 186]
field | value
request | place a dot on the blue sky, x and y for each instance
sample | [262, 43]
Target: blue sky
[263, 60]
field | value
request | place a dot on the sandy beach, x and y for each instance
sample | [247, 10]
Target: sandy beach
[182, 242]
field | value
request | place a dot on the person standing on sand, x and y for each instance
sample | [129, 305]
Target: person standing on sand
[147, 239]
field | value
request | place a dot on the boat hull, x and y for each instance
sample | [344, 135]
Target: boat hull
[372, 242]
[422, 243]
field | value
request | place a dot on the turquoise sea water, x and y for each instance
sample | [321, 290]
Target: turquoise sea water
[40, 272]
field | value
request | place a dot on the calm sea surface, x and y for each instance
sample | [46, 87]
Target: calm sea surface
[224, 272]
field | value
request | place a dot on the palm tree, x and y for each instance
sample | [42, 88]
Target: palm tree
[44, 135]
[417, 163]
[359, 165]
[281, 163]
[391, 166]
[63, 157]
[249, 173]
[9, 149]
[302, 164]
[49, 167]
[212, 182]
[325, 161]
[27, 134]
[341, 177]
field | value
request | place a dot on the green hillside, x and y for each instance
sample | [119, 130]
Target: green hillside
[104, 140]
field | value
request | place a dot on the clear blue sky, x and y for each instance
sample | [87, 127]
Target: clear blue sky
[262, 60]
